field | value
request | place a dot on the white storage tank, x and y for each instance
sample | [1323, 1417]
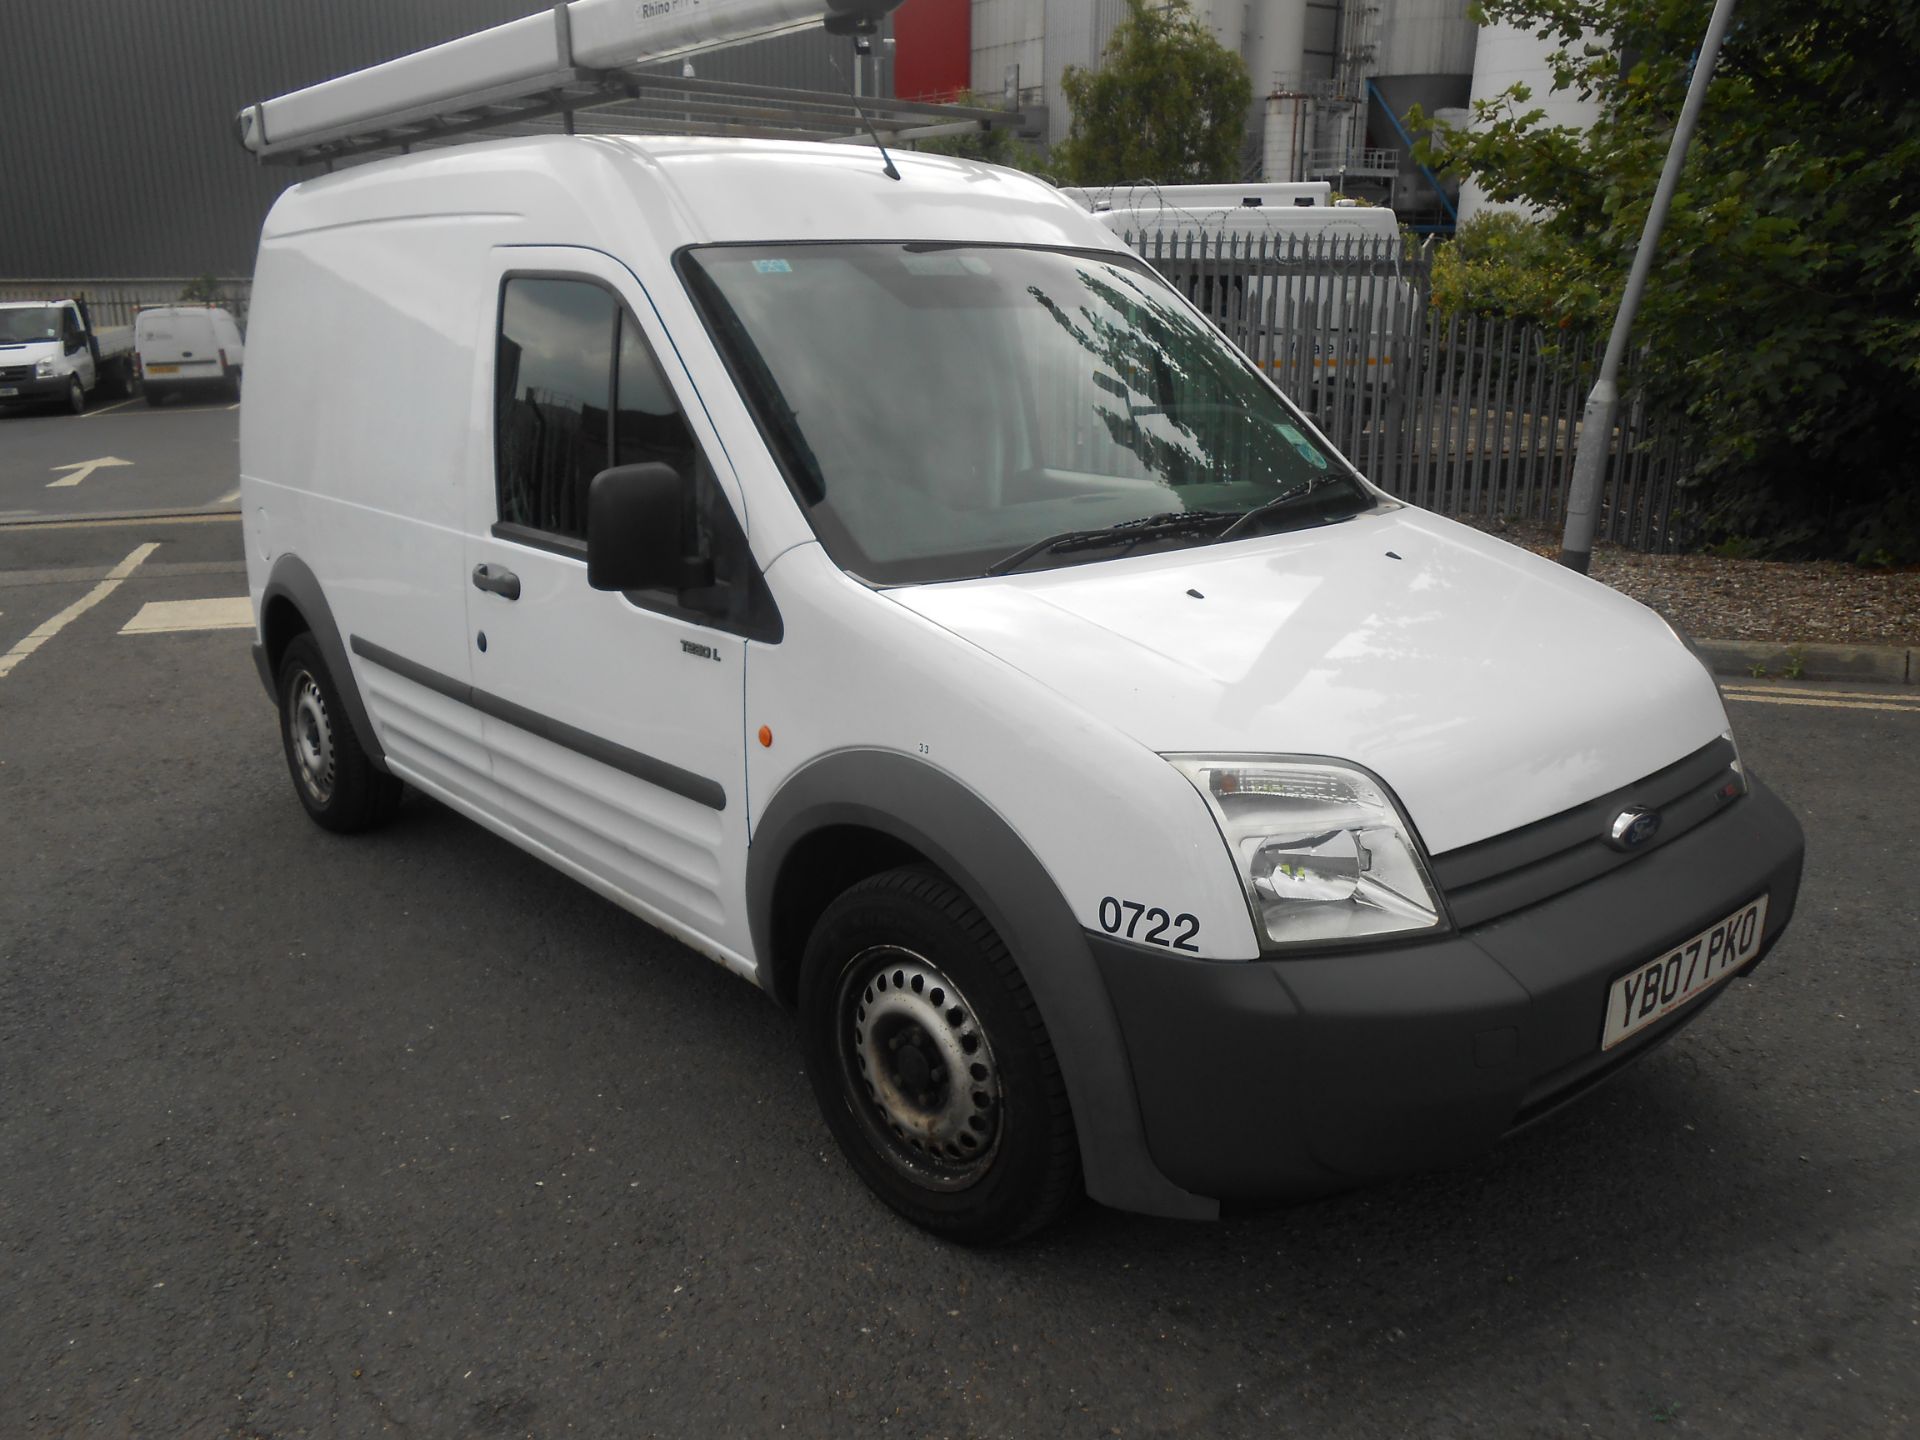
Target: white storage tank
[1508, 55]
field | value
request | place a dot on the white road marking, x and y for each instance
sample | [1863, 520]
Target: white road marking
[230, 497]
[234, 406]
[83, 468]
[162, 616]
[78, 608]
[103, 410]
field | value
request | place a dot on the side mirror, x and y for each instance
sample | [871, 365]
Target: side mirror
[633, 528]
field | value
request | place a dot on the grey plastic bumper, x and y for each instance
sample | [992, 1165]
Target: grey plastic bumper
[1287, 1078]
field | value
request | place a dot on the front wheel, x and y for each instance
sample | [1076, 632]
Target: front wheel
[931, 1063]
[76, 396]
[336, 782]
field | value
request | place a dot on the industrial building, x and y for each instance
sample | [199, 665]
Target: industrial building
[131, 173]
[1331, 79]
[122, 162]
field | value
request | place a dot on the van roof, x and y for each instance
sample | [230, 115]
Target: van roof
[682, 190]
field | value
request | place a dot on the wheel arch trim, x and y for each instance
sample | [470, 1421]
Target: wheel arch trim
[293, 581]
[959, 832]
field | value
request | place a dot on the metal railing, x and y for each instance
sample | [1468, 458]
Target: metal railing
[1370, 161]
[1463, 414]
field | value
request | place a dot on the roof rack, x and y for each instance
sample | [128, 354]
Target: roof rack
[541, 72]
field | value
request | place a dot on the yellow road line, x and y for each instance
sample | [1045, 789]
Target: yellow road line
[1912, 708]
[1743, 689]
[74, 611]
[119, 522]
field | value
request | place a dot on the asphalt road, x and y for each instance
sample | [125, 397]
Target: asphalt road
[178, 456]
[410, 1135]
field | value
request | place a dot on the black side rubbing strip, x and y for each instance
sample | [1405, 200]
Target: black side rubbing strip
[697, 788]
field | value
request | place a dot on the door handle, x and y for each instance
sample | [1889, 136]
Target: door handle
[498, 579]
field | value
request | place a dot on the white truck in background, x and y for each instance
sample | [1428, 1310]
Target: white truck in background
[52, 353]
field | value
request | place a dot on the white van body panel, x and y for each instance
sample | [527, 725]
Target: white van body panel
[859, 671]
[362, 477]
[1321, 642]
[593, 660]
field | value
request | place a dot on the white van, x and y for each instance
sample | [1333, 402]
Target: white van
[895, 591]
[1316, 291]
[184, 349]
[1252, 195]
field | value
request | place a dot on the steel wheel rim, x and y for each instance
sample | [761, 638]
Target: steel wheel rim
[917, 1068]
[310, 736]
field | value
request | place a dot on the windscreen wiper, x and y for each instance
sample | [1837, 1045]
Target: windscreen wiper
[1285, 498]
[1145, 527]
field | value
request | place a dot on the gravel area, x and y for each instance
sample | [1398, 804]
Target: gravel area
[1821, 602]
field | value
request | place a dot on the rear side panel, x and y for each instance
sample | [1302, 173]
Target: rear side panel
[351, 446]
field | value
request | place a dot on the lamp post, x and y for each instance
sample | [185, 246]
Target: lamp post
[1603, 403]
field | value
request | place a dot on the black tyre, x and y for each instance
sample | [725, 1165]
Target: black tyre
[155, 394]
[931, 1063]
[233, 385]
[332, 775]
[76, 396]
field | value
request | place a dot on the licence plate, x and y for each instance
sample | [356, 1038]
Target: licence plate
[1659, 987]
[9, 389]
[163, 369]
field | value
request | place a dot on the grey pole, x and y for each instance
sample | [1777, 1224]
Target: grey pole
[1603, 403]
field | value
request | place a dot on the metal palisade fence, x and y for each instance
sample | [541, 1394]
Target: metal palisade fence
[1463, 414]
[116, 302]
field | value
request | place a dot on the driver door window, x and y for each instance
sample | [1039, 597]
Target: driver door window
[577, 389]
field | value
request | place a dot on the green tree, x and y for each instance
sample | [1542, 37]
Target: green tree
[1168, 103]
[1784, 308]
[204, 291]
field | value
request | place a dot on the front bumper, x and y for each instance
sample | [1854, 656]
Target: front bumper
[36, 390]
[1287, 1078]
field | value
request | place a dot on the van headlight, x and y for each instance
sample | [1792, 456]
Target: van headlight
[43, 367]
[1323, 851]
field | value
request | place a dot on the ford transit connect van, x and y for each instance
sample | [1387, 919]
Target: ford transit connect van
[895, 591]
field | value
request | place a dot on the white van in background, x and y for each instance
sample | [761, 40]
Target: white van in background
[1314, 290]
[184, 348]
[1251, 195]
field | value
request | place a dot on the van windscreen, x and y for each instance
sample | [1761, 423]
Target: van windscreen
[23, 324]
[939, 408]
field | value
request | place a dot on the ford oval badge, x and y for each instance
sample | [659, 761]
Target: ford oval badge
[1633, 827]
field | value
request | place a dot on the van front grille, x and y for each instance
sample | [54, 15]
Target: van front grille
[1497, 876]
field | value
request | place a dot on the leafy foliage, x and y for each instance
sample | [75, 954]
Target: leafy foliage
[1168, 103]
[206, 290]
[1500, 263]
[1784, 307]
